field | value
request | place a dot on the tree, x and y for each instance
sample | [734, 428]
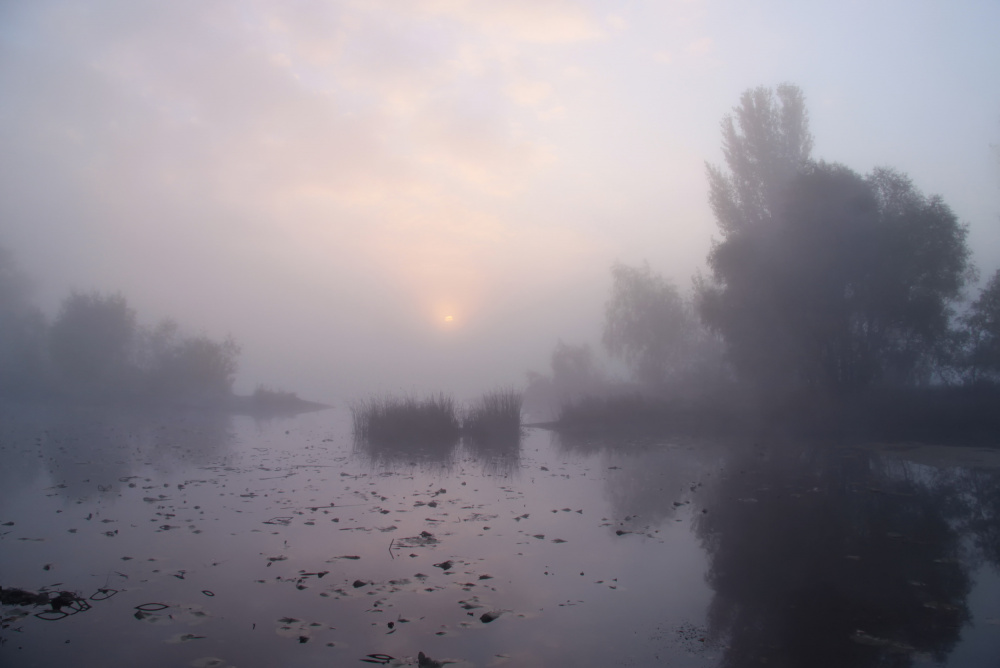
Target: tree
[575, 374]
[199, 367]
[983, 327]
[824, 279]
[22, 330]
[765, 145]
[650, 326]
[91, 340]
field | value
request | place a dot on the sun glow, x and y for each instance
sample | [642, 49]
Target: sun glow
[449, 318]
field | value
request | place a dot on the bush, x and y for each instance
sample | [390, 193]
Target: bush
[397, 420]
[612, 411]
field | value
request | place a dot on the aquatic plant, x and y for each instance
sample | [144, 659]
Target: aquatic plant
[388, 419]
[496, 416]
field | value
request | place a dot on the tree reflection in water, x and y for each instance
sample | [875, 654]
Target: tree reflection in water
[826, 557]
[95, 450]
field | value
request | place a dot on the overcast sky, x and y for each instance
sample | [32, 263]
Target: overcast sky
[329, 181]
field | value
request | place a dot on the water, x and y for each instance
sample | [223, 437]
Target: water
[206, 540]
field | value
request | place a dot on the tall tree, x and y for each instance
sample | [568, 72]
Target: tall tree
[765, 142]
[825, 279]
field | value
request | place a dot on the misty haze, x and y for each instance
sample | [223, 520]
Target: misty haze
[499, 333]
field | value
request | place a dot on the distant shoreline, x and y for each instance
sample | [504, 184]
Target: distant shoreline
[967, 415]
[255, 405]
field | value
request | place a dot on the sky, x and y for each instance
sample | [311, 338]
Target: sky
[422, 195]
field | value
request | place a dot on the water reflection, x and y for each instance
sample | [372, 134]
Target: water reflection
[499, 457]
[817, 555]
[92, 452]
[823, 557]
[648, 480]
[679, 551]
[980, 491]
[393, 456]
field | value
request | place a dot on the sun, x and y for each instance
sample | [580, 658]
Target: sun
[449, 318]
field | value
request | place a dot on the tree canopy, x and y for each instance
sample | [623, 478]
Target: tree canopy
[983, 327]
[650, 326]
[766, 141]
[91, 339]
[95, 347]
[823, 278]
[22, 329]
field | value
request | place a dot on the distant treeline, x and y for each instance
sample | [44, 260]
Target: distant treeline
[95, 348]
[824, 286]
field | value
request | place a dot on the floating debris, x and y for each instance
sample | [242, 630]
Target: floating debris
[283, 521]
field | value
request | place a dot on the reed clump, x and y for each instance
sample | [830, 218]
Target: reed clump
[496, 416]
[388, 419]
[393, 420]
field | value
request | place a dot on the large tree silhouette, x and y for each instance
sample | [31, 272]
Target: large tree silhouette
[823, 279]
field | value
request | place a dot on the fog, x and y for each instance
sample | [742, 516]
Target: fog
[429, 195]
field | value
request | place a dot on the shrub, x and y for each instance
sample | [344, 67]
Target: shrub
[612, 412]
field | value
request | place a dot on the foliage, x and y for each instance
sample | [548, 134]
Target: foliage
[765, 145]
[199, 366]
[22, 330]
[575, 373]
[496, 416]
[612, 411]
[824, 279]
[983, 327]
[90, 341]
[402, 420]
[95, 347]
[266, 396]
[652, 328]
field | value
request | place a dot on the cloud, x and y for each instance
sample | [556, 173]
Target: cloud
[663, 56]
[532, 21]
[701, 46]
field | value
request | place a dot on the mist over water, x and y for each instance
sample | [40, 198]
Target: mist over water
[499, 333]
[327, 182]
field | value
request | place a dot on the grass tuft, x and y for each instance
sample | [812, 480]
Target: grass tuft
[495, 417]
[399, 420]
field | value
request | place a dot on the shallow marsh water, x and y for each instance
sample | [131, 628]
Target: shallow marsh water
[206, 540]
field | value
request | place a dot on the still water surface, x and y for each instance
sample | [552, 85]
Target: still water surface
[206, 540]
